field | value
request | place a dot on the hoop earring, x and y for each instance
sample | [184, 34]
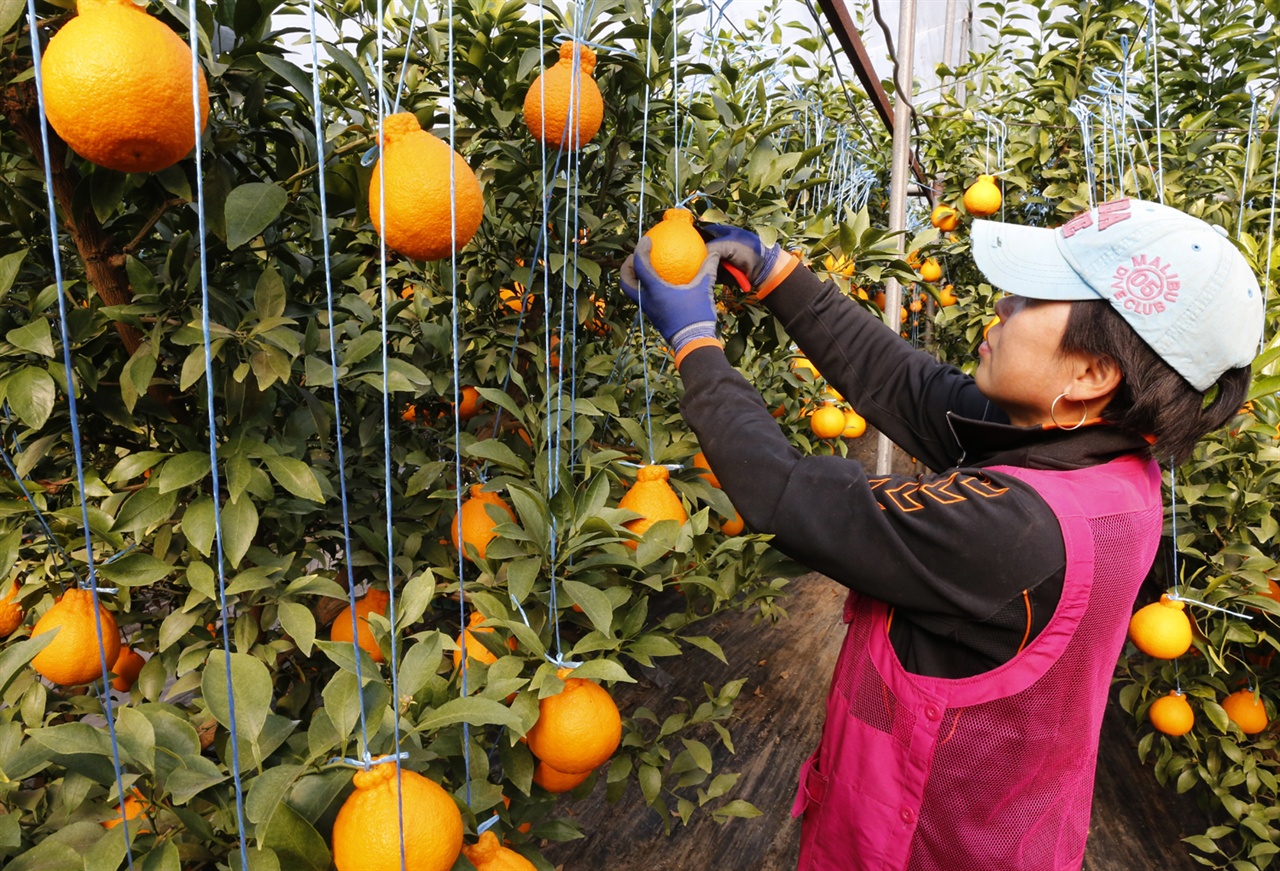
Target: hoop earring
[1054, 417]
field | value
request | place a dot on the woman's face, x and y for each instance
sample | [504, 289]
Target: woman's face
[1020, 368]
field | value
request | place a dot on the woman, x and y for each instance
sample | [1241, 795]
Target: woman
[989, 599]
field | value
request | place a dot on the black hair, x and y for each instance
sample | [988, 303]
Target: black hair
[1152, 399]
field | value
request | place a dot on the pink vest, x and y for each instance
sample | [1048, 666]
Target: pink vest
[995, 771]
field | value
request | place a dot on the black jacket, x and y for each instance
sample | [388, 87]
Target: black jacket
[972, 560]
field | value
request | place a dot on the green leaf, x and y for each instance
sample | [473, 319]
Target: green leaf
[295, 841]
[135, 570]
[300, 623]
[177, 624]
[251, 682]
[34, 337]
[135, 378]
[595, 604]
[268, 790]
[239, 526]
[603, 669]
[198, 526]
[473, 710]
[144, 509]
[164, 857]
[183, 470]
[16, 655]
[250, 209]
[31, 392]
[736, 808]
[269, 296]
[10, 264]
[415, 596]
[69, 739]
[295, 476]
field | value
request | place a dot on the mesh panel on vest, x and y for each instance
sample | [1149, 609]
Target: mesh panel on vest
[1013, 778]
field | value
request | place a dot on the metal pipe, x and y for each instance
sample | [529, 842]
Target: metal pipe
[898, 183]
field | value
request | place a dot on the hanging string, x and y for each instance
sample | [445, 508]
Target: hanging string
[1154, 49]
[1248, 151]
[70, 371]
[347, 551]
[386, 422]
[207, 337]
[404, 63]
[644, 158]
[1271, 228]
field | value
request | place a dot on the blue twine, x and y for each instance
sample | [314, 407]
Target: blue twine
[207, 336]
[386, 411]
[75, 417]
[333, 356]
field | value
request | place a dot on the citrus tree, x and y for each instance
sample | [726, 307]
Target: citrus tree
[275, 422]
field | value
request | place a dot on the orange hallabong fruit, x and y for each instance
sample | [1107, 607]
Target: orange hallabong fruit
[128, 665]
[827, 422]
[488, 854]
[557, 781]
[930, 270]
[117, 88]
[72, 657]
[734, 526]
[678, 249]
[854, 425]
[562, 109]
[11, 612]
[944, 217]
[1247, 711]
[373, 602]
[475, 649]
[578, 728]
[134, 806]
[947, 296]
[367, 833]
[653, 499]
[1161, 629]
[700, 462]
[414, 165]
[477, 526]
[983, 197]
[1172, 714]
[469, 407]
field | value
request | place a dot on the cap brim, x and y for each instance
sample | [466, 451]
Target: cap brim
[1026, 261]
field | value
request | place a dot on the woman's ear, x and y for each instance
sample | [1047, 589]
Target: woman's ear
[1097, 376]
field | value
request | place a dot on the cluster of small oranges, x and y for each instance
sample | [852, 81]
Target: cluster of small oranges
[1164, 631]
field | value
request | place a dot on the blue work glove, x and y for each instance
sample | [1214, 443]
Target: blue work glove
[680, 312]
[742, 250]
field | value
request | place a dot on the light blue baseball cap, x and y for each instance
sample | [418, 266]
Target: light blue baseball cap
[1179, 282]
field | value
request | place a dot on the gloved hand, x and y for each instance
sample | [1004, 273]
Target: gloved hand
[742, 249]
[680, 312]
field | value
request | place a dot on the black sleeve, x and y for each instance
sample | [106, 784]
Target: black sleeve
[902, 392]
[958, 544]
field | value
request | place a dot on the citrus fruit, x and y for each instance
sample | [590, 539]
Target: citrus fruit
[734, 526]
[678, 249]
[1247, 711]
[117, 88]
[983, 197]
[854, 425]
[414, 166]
[488, 854]
[597, 324]
[1273, 592]
[802, 364]
[917, 304]
[475, 650]
[841, 265]
[578, 728]
[469, 407]
[700, 462]
[557, 95]
[367, 831]
[128, 665]
[986, 328]
[134, 806]
[947, 296]
[1172, 714]
[72, 657]
[653, 499]
[944, 217]
[373, 602]
[930, 270]
[11, 612]
[1161, 629]
[880, 299]
[557, 781]
[477, 525]
[517, 298]
[827, 422]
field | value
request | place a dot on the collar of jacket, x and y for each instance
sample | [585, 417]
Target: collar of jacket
[990, 443]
